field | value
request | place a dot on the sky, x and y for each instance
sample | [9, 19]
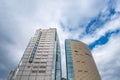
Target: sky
[94, 22]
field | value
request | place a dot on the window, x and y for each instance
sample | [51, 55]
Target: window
[44, 55]
[28, 66]
[41, 46]
[36, 62]
[85, 71]
[42, 71]
[43, 62]
[56, 57]
[34, 71]
[87, 54]
[43, 58]
[37, 58]
[83, 62]
[79, 70]
[75, 51]
[42, 66]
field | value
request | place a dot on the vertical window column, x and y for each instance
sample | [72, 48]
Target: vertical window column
[35, 48]
[69, 63]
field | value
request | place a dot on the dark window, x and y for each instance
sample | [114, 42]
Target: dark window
[42, 66]
[79, 70]
[85, 71]
[34, 71]
[44, 55]
[37, 62]
[87, 54]
[37, 58]
[57, 57]
[75, 51]
[28, 66]
[43, 62]
[83, 62]
[42, 71]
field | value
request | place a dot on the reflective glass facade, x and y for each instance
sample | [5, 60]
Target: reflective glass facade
[58, 60]
[70, 71]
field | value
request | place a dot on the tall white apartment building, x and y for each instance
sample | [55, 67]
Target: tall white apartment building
[42, 57]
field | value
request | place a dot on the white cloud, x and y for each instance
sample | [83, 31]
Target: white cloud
[106, 57]
[110, 26]
[78, 12]
[21, 18]
[117, 6]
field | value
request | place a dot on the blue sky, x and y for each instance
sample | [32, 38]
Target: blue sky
[95, 22]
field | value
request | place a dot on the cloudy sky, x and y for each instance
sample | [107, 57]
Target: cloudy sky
[95, 22]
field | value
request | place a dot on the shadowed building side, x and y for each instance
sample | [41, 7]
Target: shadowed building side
[79, 61]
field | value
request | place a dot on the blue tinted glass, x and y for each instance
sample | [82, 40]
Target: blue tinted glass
[70, 72]
[58, 61]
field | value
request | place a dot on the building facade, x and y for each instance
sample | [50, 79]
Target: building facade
[42, 57]
[79, 61]
[11, 75]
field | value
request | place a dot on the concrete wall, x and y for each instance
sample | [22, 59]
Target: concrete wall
[83, 63]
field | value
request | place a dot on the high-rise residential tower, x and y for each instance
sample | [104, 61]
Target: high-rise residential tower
[79, 61]
[42, 57]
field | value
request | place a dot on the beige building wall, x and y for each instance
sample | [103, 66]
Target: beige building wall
[83, 63]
